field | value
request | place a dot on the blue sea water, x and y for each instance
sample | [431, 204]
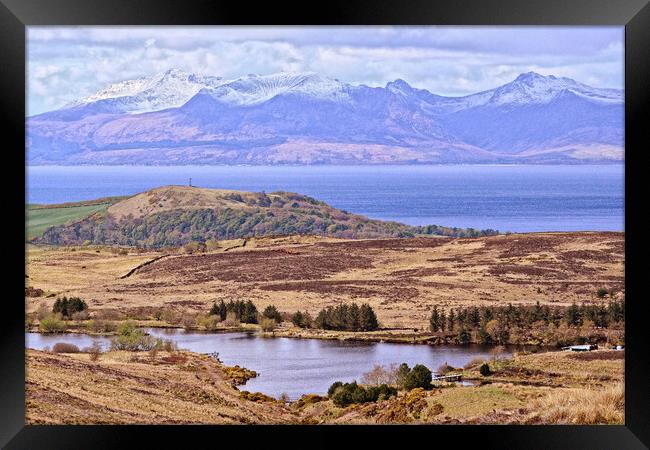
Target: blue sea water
[507, 198]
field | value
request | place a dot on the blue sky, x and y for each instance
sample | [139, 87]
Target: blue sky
[65, 63]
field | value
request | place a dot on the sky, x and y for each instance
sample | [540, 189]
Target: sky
[66, 63]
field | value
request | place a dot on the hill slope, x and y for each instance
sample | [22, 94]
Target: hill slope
[179, 118]
[177, 215]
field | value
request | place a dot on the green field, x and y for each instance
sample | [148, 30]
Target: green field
[40, 217]
[38, 220]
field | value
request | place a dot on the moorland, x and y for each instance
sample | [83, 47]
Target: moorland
[168, 257]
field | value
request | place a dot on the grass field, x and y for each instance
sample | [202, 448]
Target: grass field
[41, 217]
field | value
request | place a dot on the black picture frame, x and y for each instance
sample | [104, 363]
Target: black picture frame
[15, 15]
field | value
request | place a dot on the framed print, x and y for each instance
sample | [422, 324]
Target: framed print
[343, 219]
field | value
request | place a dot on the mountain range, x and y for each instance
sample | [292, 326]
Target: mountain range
[176, 117]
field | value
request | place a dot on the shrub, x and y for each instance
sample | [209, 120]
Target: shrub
[419, 376]
[68, 306]
[64, 347]
[94, 351]
[333, 388]
[601, 293]
[343, 394]
[443, 369]
[170, 316]
[267, 324]
[231, 320]
[308, 399]
[189, 321]
[463, 337]
[302, 320]
[271, 312]
[349, 393]
[133, 339]
[381, 392]
[42, 312]
[485, 370]
[380, 375]
[209, 322]
[401, 373]
[52, 324]
[256, 397]
[33, 292]
[101, 326]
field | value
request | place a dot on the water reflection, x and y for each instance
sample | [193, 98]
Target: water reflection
[293, 366]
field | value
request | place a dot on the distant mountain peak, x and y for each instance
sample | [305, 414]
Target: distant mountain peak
[399, 86]
[531, 88]
[526, 76]
[170, 88]
[308, 117]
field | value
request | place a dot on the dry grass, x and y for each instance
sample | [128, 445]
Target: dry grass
[400, 278]
[582, 406]
[117, 389]
[184, 387]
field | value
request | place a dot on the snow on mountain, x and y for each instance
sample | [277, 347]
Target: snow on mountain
[173, 88]
[308, 117]
[533, 88]
[169, 89]
[254, 89]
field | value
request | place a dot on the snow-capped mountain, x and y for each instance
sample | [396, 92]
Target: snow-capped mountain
[177, 117]
[532, 88]
[169, 89]
[253, 89]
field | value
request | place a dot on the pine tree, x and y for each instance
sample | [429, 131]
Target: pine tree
[451, 318]
[271, 312]
[487, 316]
[434, 321]
[474, 317]
[249, 313]
[368, 318]
[223, 311]
[322, 320]
[298, 319]
[572, 315]
[353, 319]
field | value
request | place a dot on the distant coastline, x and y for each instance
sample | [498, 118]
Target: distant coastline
[517, 198]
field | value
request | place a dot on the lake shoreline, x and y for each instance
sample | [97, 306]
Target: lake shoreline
[378, 336]
[185, 378]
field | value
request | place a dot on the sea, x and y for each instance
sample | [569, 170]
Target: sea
[516, 198]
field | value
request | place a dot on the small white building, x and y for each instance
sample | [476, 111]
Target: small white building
[581, 348]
